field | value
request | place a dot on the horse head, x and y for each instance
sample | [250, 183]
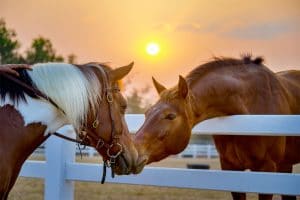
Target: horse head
[168, 125]
[106, 129]
[88, 97]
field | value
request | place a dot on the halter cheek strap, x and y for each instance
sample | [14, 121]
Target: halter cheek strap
[84, 138]
[114, 138]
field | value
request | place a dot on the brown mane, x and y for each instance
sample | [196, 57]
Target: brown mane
[104, 65]
[219, 63]
[216, 65]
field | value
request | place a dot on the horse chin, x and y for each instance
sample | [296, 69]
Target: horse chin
[140, 164]
[122, 167]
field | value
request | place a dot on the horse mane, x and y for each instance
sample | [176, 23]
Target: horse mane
[222, 62]
[217, 63]
[15, 92]
[72, 90]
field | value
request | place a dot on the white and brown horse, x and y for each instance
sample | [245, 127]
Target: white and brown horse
[40, 101]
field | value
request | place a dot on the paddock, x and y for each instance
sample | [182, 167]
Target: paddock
[60, 170]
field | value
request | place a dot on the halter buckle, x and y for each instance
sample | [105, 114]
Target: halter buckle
[100, 144]
[95, 123]
[112, 161]
[109, 97]
[107, 163]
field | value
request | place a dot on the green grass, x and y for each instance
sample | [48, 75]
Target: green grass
[32, 189]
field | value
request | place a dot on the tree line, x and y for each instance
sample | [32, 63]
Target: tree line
[41, 50]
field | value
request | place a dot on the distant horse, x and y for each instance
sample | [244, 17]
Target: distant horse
[38, 102]
[224, 86]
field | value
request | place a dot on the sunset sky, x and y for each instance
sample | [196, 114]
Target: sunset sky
[189, 32]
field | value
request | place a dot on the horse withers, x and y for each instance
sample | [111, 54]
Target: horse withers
[38, 102]
[224, 86]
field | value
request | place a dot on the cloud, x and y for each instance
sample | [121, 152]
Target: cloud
[241, 29]
[261, 30]
[188, 27]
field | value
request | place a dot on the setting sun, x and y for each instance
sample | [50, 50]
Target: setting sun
[152, 48]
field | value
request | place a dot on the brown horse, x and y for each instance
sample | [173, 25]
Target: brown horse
[38, 102]
[224, 86]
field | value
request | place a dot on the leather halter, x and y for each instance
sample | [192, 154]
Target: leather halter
[108, 91]
[85, 138]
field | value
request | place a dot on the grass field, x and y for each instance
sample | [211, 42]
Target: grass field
[32, 189]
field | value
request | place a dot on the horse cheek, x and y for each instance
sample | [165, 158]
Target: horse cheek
[183, 137]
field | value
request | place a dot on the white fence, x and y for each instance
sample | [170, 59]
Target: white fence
[192, 150]
[60, 169]
[199, 150]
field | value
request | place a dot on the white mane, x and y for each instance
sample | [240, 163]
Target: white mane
[69, 88]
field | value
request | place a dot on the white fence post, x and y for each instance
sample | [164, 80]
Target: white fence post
[209, 151]
[91, 152]
[58, 152]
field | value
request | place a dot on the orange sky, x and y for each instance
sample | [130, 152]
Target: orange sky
[190, 32]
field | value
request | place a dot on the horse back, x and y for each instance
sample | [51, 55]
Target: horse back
[291, 81]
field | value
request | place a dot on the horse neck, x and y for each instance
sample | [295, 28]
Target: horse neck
[205, 106]
[264, 94]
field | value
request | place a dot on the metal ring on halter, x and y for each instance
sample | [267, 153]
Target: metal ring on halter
[95, 123]
[100, 144]
[109, 97]
[117, 154]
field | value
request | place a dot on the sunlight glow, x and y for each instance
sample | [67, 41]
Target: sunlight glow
[152, 48]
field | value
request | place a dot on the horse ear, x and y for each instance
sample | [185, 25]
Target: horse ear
[159, 87]
[182, 87]
[121, 72]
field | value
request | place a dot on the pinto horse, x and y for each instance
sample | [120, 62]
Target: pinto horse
[224, 86]
[38, 102]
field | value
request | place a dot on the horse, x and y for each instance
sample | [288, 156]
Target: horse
[38, 102]
[222, 87]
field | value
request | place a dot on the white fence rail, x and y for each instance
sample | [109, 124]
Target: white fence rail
[192, 150]
[60, 169]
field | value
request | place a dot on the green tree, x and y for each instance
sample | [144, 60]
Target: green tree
[41, 50]
[8, 45]
[136, 101]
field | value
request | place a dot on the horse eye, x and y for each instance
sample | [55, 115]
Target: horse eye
[171, 116]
